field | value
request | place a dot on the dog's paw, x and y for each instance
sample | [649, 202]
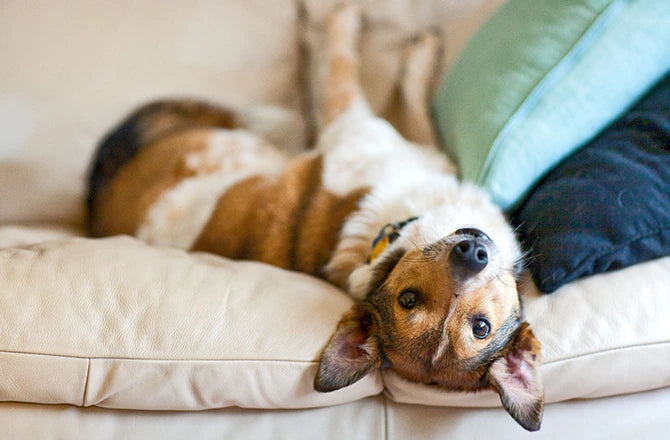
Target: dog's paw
[422, 59]
[423, 52]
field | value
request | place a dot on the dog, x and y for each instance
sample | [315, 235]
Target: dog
[431, 262]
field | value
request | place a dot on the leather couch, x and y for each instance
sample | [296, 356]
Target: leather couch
[111, 338]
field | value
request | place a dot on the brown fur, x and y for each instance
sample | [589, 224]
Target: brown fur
[290, 222]
[345, 261]
[232, 228]
[121, 206]
[146, 127]
[170, 117]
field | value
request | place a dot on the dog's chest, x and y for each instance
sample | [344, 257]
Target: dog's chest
[366, 152]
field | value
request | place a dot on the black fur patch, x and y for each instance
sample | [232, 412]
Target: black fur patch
[125, 140]
[115, 149]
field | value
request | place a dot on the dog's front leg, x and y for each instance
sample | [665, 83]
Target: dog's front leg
[420, 64]
[341, 90]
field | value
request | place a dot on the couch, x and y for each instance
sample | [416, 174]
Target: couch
[111, 338]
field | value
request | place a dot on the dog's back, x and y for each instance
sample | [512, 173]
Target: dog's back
[143, 127]
[189, 175]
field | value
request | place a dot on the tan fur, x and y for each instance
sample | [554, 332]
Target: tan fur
[341, 95]
[233, 228]
[417, 80]
[318, 235]
[348, 259]
[341, 89]
[290, 222]
[122, 206]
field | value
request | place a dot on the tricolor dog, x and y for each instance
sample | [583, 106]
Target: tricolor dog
[431, 261]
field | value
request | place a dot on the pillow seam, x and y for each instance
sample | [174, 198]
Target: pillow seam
[549, 79]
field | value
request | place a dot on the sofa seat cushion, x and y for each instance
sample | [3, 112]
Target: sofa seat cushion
[116, 323]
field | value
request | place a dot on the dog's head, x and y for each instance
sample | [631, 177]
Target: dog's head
[446, 313]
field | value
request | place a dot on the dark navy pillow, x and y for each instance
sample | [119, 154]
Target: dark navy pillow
[607, 206]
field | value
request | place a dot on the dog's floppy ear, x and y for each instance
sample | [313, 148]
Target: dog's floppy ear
[516, 377]
[352, 351]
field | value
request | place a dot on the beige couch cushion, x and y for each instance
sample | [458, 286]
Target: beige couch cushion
[119, 324]
[116, 323]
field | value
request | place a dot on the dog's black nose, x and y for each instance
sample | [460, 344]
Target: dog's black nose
[469, 254]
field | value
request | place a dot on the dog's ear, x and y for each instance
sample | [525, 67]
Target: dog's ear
[516, 377]
[352, 351]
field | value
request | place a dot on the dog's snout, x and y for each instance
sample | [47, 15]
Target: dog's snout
[469, 254]
[472, 231]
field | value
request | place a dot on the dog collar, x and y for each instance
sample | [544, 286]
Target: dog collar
[387, 235]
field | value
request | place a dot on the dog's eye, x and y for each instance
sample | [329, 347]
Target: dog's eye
[409, 298]
[480, 328]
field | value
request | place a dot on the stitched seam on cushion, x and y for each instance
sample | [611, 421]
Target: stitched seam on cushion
[606, 252]
[557, 72]
[140, 359]
[610, 350]
[88, 375]
[89, 359]
[385, 416]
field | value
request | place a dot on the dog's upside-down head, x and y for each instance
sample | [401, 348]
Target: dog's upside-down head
[446, 314]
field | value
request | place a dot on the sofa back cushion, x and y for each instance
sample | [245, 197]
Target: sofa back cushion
[540, 78]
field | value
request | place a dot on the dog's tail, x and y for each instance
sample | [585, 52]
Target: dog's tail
[144, 126]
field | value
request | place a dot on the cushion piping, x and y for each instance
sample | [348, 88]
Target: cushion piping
[282, 361]
[622, 348]
[140, 359]
[554, 74]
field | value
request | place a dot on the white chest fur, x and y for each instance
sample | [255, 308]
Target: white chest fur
[406, 180]
[363, 151]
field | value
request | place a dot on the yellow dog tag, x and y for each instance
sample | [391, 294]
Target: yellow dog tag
[386, 236]
[378, 247]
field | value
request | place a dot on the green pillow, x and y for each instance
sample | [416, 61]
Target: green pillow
[540, 79]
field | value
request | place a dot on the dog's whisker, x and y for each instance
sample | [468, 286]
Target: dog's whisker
[518, 227]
